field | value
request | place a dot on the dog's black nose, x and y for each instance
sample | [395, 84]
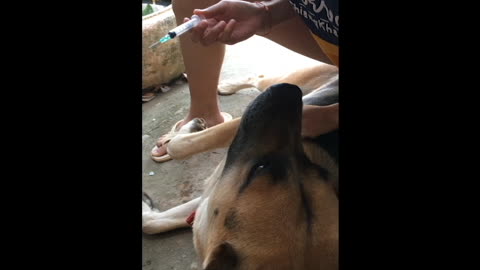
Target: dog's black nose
[272, 120]
[279, 105]
[281, 98]
[284, 92]
[278, 101]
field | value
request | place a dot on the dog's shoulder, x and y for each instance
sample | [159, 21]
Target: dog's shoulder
[326, 95]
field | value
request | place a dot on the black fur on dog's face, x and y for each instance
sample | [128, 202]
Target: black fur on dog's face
[271, 123]
[271, 208]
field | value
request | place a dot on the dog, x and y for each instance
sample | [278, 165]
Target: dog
[272, 203]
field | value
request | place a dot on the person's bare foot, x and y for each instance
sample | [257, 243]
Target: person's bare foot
[162, 146]
[318, 120]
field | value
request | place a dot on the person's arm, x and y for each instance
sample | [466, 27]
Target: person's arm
[319, 120]
[278, 11]
[232, 21]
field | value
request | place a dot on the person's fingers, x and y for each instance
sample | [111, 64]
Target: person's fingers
[160, 141]
[198, 31]
[211, 35]
[225, 36]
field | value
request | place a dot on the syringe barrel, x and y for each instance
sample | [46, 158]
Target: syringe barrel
[184, 27]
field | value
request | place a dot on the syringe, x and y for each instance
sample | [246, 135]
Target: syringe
[179, 30]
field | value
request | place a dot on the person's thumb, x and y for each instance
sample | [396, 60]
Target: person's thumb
[212, 11]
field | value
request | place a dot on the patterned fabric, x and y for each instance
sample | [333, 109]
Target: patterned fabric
[322, 18]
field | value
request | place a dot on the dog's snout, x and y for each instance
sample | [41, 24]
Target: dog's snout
[279, 105]
[285, 91]
[281, 98]
[272, 120]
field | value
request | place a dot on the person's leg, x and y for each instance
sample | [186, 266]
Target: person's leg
[203, 66]
[295, 35]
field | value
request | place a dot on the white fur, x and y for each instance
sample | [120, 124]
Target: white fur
[157, 222]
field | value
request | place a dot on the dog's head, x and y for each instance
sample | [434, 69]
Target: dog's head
[270, 206]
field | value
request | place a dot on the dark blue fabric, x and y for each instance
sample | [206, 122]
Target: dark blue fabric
[321, 16]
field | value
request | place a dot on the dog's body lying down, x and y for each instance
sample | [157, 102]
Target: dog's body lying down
[309, 79]
[312, 80]
[272, 203]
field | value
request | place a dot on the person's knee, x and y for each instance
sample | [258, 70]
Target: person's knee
[179, 6]
[184, 8]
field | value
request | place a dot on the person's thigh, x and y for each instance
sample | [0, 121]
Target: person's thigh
[292, 34]
[295, 35]
[186, 7]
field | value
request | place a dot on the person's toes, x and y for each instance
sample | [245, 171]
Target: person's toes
[161, 141]
[159, 151]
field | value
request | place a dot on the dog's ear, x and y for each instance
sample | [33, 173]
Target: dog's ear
[223, 257]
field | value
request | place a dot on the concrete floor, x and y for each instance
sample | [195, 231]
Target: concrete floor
[179, 181]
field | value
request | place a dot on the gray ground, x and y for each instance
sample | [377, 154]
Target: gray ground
[179, 181]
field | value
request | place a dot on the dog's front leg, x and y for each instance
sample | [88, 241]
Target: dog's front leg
[157, 222]
[226, 88]
[184, 146]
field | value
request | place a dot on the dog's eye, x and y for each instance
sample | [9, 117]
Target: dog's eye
[254, 171]
[257, 168]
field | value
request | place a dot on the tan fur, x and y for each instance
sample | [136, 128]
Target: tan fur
[309, 79]
[266, 235]
[183, 146]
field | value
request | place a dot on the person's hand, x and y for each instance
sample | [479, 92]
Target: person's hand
[229, 22]
[319, 120]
